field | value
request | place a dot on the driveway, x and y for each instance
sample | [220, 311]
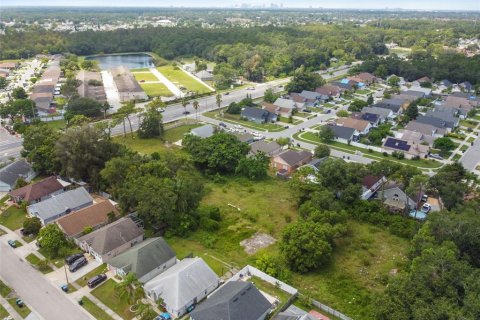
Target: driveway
[57, 277]
[111, 91]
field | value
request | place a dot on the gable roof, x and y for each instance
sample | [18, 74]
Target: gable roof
[255, 113]
[235, 300]
[382, 112]
[384, 105]
[204, 131]
[436, 122]
[37, 190]
[357, 124]
[112, 236]
[15, 170]
[59, 204]
[310, 95]
[445, 115]
[328, 90]
[143, 257]
[342, 132]
[292, 157]
[182, 282]
[91, 216]
[370, 180]
[264, 146]
[270, 107]
[424, 128]
[285, 103]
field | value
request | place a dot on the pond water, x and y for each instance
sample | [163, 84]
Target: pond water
[130, 61]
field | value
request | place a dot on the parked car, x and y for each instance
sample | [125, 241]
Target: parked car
[426, 208]
[221, 124]
[78, 264]
[186, 112]
[435, 156]
[24, 233]
[19, 303]
[251, 88]
[74, 257]
[12, 243]
[424, 198]
[95, 281]
[226, 93]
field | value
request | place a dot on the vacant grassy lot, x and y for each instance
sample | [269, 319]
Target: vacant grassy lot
[144, 76]
[35, 261]
[156, 90]
[235, 119]
[13, 218]
[82, 282]
[56, 124]
[175, 134]
[181, 79]
[95, 310]
[147, 146]
[107, 294]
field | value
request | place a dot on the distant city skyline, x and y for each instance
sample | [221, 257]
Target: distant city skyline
[471, 5]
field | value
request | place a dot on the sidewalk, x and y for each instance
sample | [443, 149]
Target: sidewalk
[14, 314]
[173, 88]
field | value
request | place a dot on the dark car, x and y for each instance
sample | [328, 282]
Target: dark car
[12, 243]
[226, 93]
[186, 112]
[71, 259]
[221, 124]
[95, 281]
[78, 264]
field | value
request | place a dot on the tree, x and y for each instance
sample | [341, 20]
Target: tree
[270, 96]
[105, 107]
[151, 124]
[84, 106]
[321, 151]
[38, 147]
[125, 111]
[69, 88]
[393, 81]
[130, 287]
[445, 144]
[32, 225]
[357, 105]
[52, 239]
[343, 113]
[412, 112]
[234, 108]
[195, 105]
[78, 121]
[381, 71]
[3, 83]
[304, 80]
[157, 103]
[19, 93]
[184, 103]
[306, 246]
[370, 99]
[20, 182]
[255, 167]
[326, 134]
[18, 108]
[218, 100]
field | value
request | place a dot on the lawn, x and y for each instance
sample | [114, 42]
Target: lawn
[3, 312]
[156, 90]
[59, 261]
[13, 218]
[94, 310]
[470, 140]
[145, 76]
[468, 123]
[464, 148]
[34, 261]
[82, 282]
[56, 124]
[108, 295]
[362, 91]
[181, 79]
[235, 119]
[143, 146]
[456, 157]
[23, 311]
[175, 134]
[4, 289]
[139, 70]
[287, 120]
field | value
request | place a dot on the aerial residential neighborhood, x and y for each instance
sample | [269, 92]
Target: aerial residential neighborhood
[239, 161]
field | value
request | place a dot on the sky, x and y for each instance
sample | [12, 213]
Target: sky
[344, 4]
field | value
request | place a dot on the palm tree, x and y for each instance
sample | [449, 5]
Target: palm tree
[195, 106]
[126, 111]
[219, 101]
[105, 107]
[130, 287]
[144, 311]
[184, 105]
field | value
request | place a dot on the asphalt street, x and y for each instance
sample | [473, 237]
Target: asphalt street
[10, 145]
[32, 287]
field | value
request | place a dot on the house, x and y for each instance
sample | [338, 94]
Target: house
[9, 65]
[235, 300]
[127, 87]
[295, 313]
[436, 122]
[366, 78]
[374, 119]
[445, 85]
[417, 92]
[361, 126]
[38, 191]
[461, 104]
[426, 129]
[183, 285]
[409, 148]
[447, 115]
[112, 239]
[422, 80]
[62, 204]
[395, 198]
[146, 260]
[287, 106]
[345, 85]
[311, 97]
[269, 148]
[467, 86]
[95, 216]
[12, 172]
[258, 115]
[395, 108]
[383, 114]
[330, 91]
[288, 161]
[344, 134]
[244, 137]
[415, 137]
[204, 131]
[4, 73]
[397, 101]
[91, 85]
[315, 163]
[204, 75]
[370, 185]
[270, 107]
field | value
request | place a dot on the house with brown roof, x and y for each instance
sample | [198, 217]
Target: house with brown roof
[270, 107]
[362, 126]
[367, 78]
[288, 161]
[38, 191]
[112, 239]
[9, 65]
[94, 216]
[460, 104]
[329, 91]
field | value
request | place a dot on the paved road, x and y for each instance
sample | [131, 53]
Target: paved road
[48, 301]
[471, 158]
[10, 145]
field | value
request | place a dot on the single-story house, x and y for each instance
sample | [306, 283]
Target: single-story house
[312, 97]
[409, 148]
[421, 80]
[4, 73]
[397, 101]
[269, 148]
[290, 160]
[295, 313]
[417, 92]
[204, 131]
[395, 199]
[204, 75]
[383, 114]
[444, 85]
[146, 260]
[112, 239]
[329, 90]
[287, 106]
[395, 108]
[315, 163]
[416, 137]
[436, 122]
[343, 134]
[366, 78]
[370, 185]
[446, 115]
[9, 65]
[270, 107]
[182, 286]
[258, 115]
[94, 216]
[234, 300]
[373, 118]
[467, 86]
[38, 191]
[12, 172]
[426, 129]
[244, 137]
[461, 104]
[361, 126]
[62, 204]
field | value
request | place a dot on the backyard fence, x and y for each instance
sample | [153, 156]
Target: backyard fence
[252, 271]
[334, 312]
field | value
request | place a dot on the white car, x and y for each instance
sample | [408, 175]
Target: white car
[426, 208]
[251, 88]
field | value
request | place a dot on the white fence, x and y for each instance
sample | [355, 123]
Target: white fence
[252, 271]
[50, 118]
[330, 310]
[361, 145]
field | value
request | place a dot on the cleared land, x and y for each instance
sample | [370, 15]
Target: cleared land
[235, 119]
[13, 218]
[181, 79]
[156, 89]
[144, 76]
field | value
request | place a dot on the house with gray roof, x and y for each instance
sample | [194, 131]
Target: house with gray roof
[146, 260]
[59, 205]
[446, 115]
[294, 313]
[270, 148]
[182, 286]
[418, 92]
[395, 198]
[244, 137]
[383, 114]
[342, 133]
[235, 300]
[258, 115]
[436, 122]
[426, 129]
[204, 131]
[204, 75]
[112, 239]
[289, 104]
[12, 172]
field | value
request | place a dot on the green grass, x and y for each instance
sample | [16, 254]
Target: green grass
[235, 119]
[328, 105]
[4, 289]
[23, 311]
[2, 232]
[464, 148]
[363, 91]
[456, 157]
[82, 282]
[13, 218]
[107, 294]
[56, 124]
[270, 289]
[180, 78]
[145, 76]
[470, 140]
[175, 134]
[287, 120]
[139, 70]
[3, 312]
[34, 260]
[156, 90]
[94, 310]
[59, 261]
[469, 123]
[144, 146]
